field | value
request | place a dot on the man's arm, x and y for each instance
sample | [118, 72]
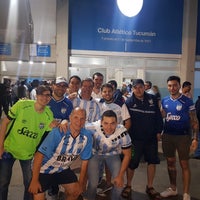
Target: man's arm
[163, 113]
[119, 180]
[35, 186]
[195, 129]
[127, 123]
[3, 130]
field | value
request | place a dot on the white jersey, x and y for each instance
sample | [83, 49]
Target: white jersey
[121, 112]
[96, 96]
[109, 144]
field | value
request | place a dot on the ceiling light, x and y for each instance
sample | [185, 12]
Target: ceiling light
[130, 8]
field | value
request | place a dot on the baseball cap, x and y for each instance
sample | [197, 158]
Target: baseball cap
[138, 81]
[61, 80]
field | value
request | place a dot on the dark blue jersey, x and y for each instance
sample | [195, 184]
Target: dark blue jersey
[177, 120]
[61, 109]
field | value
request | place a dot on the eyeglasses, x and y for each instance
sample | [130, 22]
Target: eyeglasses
[46, 95]
[61, 85]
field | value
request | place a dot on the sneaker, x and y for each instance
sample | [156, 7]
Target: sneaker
[169, 192]
[104, 189]
[186, 196]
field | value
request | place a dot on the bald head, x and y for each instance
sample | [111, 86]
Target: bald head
[78, 110]
[77, 118]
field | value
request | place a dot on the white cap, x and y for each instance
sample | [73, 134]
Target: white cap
[61, 80]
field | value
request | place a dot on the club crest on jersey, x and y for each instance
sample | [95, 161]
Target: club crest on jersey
[63, 110]
[135, 105]
[179, 107]
[151, 101]
[41, 126]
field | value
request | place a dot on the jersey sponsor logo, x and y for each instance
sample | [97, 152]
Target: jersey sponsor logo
[24, 131]
[64, 158]
[171, 117]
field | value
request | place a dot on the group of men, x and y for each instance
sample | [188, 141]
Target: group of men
[93, 121]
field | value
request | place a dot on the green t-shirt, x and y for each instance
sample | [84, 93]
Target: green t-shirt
[27, 130]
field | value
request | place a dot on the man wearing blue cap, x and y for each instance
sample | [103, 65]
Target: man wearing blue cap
[145, 131]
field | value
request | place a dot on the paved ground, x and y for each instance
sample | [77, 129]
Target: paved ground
[138, 184]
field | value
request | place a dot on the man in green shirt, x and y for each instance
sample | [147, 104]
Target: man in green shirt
[21, 132]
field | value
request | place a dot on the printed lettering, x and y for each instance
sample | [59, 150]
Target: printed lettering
[24, 131]
[171, 117]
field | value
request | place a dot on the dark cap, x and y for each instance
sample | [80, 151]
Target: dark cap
[138, 81]
[61, 80]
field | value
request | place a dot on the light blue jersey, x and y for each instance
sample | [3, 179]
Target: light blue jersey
[60, 150]
[93, 110]
[177, 120]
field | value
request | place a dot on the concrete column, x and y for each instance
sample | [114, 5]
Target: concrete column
[119, 77]
[189, 40]
[62, 38]
[141, 74]
[1, 71]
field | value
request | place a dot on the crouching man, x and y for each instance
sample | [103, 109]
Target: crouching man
[110, 140]
[52, 161]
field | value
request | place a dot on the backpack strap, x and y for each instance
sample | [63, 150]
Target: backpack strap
[13, 121]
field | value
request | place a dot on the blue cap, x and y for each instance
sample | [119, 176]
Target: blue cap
[137, 82]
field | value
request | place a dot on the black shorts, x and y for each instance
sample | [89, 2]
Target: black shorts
[148, 149]
[65, 177]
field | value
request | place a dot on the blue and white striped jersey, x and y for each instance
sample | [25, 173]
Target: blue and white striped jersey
[109, 144]
[60, 150]
[93, 110]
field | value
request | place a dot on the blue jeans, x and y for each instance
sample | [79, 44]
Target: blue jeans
[94, 167]
[6, 173]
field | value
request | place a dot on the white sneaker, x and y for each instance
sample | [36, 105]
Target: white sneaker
[169, 192]
[186, 196]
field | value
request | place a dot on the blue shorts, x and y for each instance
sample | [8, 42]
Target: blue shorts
[148, 149]
[65, 177]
